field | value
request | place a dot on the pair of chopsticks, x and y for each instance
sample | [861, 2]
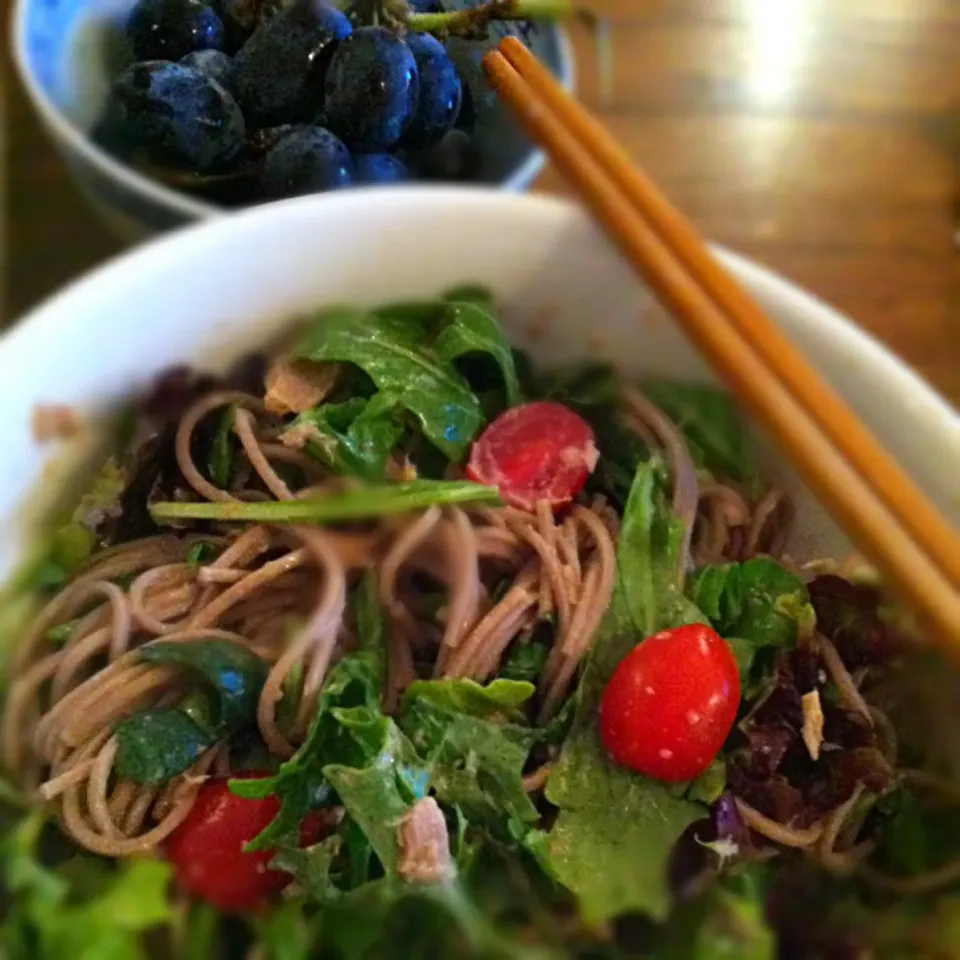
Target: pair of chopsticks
[858, 482]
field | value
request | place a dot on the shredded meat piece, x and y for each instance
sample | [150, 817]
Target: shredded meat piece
[812, 723]
[297, 385]
[424, 844]
[54, 421]
[299, 435]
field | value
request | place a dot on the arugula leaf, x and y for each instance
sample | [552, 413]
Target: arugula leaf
[156, 745]
[393, 353]
[471, 329]
[354, 437]
[312, 867]
[200, 553]
[286, 933]
[362, 504]
[525, 662]
[379, 793]
[758, 606]
[648, 555]
[74, 541]
[609, 815]
[105, 916]
[500, 697]
[474, 293]
[356, 681]
[710, 422]
[725, 923]
[220, 463]
[198, 932]
[473, 764]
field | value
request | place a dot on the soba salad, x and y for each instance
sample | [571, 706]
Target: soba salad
[388, 645]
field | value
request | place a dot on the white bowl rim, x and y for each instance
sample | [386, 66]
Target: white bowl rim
[174, 201]
[190, 241]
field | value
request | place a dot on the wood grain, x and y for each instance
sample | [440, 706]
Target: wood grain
[820, 138]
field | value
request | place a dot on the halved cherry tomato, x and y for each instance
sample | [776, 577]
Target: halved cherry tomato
[670, 703]
[206, 850]
[537, 451]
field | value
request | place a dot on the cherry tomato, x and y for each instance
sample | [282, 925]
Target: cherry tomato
[206, 850]
[537, 451]
[670, 703]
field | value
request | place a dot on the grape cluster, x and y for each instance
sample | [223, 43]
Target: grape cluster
[243, 101]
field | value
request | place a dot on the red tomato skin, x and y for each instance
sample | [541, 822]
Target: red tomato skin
[206, 850]
[535, 451]
[670, 703]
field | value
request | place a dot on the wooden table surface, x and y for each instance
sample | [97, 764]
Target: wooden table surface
[820, 137]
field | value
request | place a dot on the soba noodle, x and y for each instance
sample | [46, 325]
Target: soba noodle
[63, 704]
[282, 593]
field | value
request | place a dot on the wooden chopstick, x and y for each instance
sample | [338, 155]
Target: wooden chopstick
[832, 415]
[917, 551]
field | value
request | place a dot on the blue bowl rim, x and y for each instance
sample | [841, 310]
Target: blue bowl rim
[69, 136]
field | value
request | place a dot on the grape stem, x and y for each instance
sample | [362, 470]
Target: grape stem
[472, 20]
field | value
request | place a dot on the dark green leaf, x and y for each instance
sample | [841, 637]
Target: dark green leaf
[220, 464]
[474, 764]
[648, 558]
[708, 787]
[498, 698]
[588, 384]
[471, 329]
[378, 795]
[725, 923]
[525, 662]
[609, 815]
[156, 745]
[423, 317]
[312, 868]
[200, 553]
[355, 437]
[393, 353]
[710, 421]
[759, 599]
[61, 632]
[74, 541]
[913, 837]
[199, 932]
[354, 683]
[234, 672]
[80, 908]
[472, 293]
[364, 503]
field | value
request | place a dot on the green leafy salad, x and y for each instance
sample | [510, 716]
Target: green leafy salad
[394, 646]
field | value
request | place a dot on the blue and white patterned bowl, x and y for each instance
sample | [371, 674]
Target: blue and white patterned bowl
[62, 50]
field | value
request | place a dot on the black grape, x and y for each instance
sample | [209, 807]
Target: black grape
[455, 157]
[177, 116]
[214, 64]
[371, 90]
[170, 29]
[439, 102]
[280, 69]
[242, 17]
[309, 160]
[379, 168]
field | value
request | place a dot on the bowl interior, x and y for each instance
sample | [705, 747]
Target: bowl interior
[70, 49]
[213, 292]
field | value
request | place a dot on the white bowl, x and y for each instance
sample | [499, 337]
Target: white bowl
[209, 293]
